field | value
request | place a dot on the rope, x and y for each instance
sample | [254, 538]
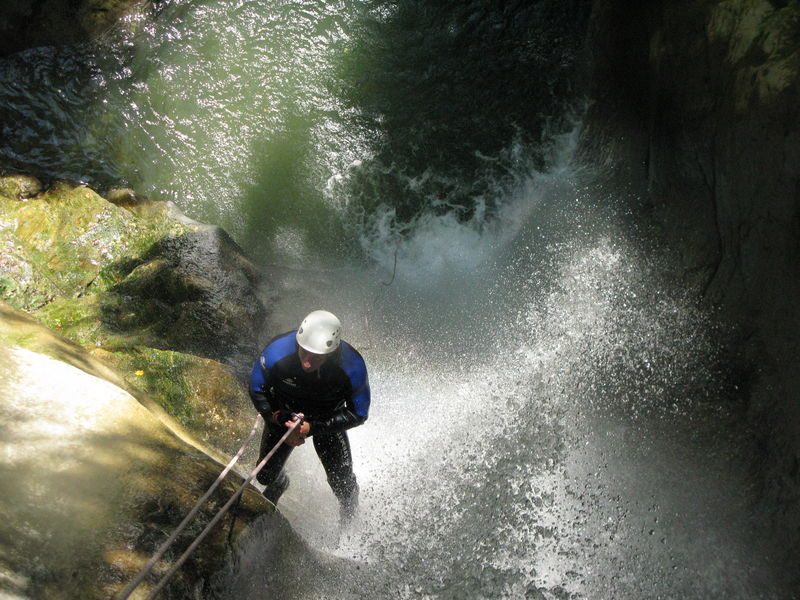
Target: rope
[163, 548]
[220, 513]
[386, 284]
[394, 268]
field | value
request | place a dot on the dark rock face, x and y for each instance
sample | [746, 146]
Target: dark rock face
[202, 280]
[31, 23]
[697, 106]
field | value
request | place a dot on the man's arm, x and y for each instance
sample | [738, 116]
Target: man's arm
[356, 408]
[340, 421]
[260, 388]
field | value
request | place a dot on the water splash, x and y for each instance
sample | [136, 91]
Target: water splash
[559, 424]
[552, 414]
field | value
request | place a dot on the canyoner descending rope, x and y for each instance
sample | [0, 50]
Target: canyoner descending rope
[129, 589]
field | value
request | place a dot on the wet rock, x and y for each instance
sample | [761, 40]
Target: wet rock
[696, 107]
[125, 197]
[159, 293]
[20, 187]
[32, 23]
[93, 480]
[57, 243]
[203, 395]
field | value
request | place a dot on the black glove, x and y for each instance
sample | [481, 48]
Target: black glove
[340, 421]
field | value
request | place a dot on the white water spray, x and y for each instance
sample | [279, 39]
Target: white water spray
[547, 406]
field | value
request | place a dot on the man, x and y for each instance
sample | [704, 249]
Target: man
[311, 374]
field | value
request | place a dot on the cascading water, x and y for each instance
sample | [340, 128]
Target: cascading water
[552, 419]
[553, 416]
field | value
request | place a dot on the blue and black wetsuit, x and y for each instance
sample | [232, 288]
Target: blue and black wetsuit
[333, 399]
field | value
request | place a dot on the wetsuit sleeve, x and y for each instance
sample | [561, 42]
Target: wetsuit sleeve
[259, 388]
[340, 421]
[356, 408]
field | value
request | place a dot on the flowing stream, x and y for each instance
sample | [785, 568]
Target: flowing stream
[553, 415]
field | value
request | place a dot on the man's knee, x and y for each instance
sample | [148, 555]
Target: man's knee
[274, 485]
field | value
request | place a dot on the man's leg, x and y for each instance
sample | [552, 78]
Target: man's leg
[273, 475]
[333, 450]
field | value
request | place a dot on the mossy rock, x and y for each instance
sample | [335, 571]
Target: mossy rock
[147, 285]
[148, 272]
[58, 243]
[204, 395]
[93, 481]
[19, 187]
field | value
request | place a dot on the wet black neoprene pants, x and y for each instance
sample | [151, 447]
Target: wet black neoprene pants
[333, 450]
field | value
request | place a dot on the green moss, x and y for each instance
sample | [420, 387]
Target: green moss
[77, 319]
[7, 286]
[23, 339]
[65, 236]
[755, 30]
[204, 395]
[161, 374]
[19, 186]
[108, 320]
[70, 241]
[780, 32]
[110, 275]
[115, 280]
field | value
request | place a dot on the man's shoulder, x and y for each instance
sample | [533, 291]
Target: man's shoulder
[278, 347]
[352, 363]
[350, 354]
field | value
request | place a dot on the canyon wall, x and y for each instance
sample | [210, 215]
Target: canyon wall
[695, 109]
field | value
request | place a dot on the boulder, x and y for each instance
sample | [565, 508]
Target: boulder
[148, 290]
[20, 187]
[93, 481]
[31, 23]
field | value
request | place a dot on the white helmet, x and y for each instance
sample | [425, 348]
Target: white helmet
[320, 332]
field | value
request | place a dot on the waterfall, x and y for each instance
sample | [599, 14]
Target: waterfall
[553, 415]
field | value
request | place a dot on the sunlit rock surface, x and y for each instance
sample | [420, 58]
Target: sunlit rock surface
[173, 304]
[697, 106]
[92, 481]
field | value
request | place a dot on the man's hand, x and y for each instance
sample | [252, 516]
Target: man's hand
[298, 436]
[281, 416]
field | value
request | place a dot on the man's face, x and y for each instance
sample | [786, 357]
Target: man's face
[310, 361]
